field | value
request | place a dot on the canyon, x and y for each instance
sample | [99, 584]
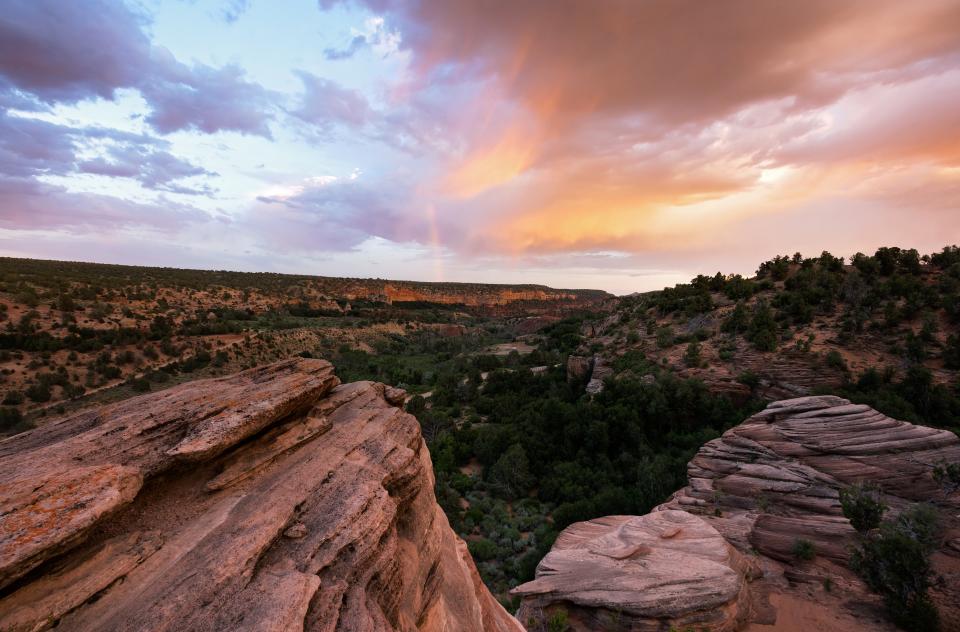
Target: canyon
[280, 499]
[481, 457]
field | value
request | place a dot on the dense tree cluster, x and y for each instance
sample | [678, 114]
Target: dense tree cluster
[543, 445]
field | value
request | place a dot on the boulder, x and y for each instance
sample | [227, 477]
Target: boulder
[664, 570]
[579, 368]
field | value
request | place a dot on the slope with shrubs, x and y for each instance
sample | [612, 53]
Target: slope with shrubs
[881, 329]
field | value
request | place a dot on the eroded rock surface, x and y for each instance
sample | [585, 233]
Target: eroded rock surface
[779, 473]
[668, 569]
[761, 487]
[274, 499]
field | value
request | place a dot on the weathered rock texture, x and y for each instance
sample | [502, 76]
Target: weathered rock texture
[777, 475]
[664, 570]
[270, 500]
[762, 486]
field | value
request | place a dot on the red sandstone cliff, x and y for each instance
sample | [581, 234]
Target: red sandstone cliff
[274, 499]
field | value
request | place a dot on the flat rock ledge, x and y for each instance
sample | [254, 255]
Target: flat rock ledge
[275, 499]
[665, 570]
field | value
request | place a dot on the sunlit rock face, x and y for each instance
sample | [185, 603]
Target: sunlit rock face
[275, 499]
[752, 495]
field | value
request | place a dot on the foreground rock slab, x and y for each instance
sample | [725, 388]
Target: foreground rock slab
[664, 570]
[274, 499]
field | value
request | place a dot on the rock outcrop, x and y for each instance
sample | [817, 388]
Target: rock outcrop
[778, 474]
[579, 368]
[275, 499]
[762, 486]
[600, 372]
[668, 569]
[593, 370]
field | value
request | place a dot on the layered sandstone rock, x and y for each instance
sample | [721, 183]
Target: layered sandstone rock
[664, 570]
[761, 487]
[778, 474]
[491, 298]
[270, 500]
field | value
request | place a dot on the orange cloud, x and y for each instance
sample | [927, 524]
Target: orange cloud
[655, 125]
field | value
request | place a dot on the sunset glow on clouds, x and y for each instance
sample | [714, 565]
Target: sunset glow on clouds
[619, 144]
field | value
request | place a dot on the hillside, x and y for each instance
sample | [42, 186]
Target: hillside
[92, 332]
[881, 329]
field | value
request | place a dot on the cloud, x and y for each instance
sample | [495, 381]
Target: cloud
[649, 126]
[374, 36]
[205, 99]
[325, 103]
[65, 52]
[31, 147]
[334, 214]
[358, 43]
[234, 9]
[676, 62]
[31, 205]
[154, 169]
[70, 51]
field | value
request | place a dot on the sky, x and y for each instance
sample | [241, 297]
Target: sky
[612, 144]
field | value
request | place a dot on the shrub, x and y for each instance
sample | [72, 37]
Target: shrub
[947, 475]
[558, 622]
[510, 475]
[749, 379]
[39, 392]
[691, 356]
[951, 354]
[665, 337]
[835, 360]
[896, 564]
[416, 405]
[763, 328]
[483, 550]
[737, 321]
[803, 549]
[10, 419]
[862, 506]
[13, 398]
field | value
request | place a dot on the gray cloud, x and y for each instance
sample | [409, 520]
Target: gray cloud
[65, 52]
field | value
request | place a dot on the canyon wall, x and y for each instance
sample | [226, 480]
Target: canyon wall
[496, 299]
[274, 499]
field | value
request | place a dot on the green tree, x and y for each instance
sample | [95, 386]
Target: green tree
[738, 320]
[895, 563]
[691, 357]
[510, 475]
[862, 506]
[763, 327]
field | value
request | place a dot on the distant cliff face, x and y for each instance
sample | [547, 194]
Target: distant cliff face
[526, 299]
[721, 553]
[275, 499]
